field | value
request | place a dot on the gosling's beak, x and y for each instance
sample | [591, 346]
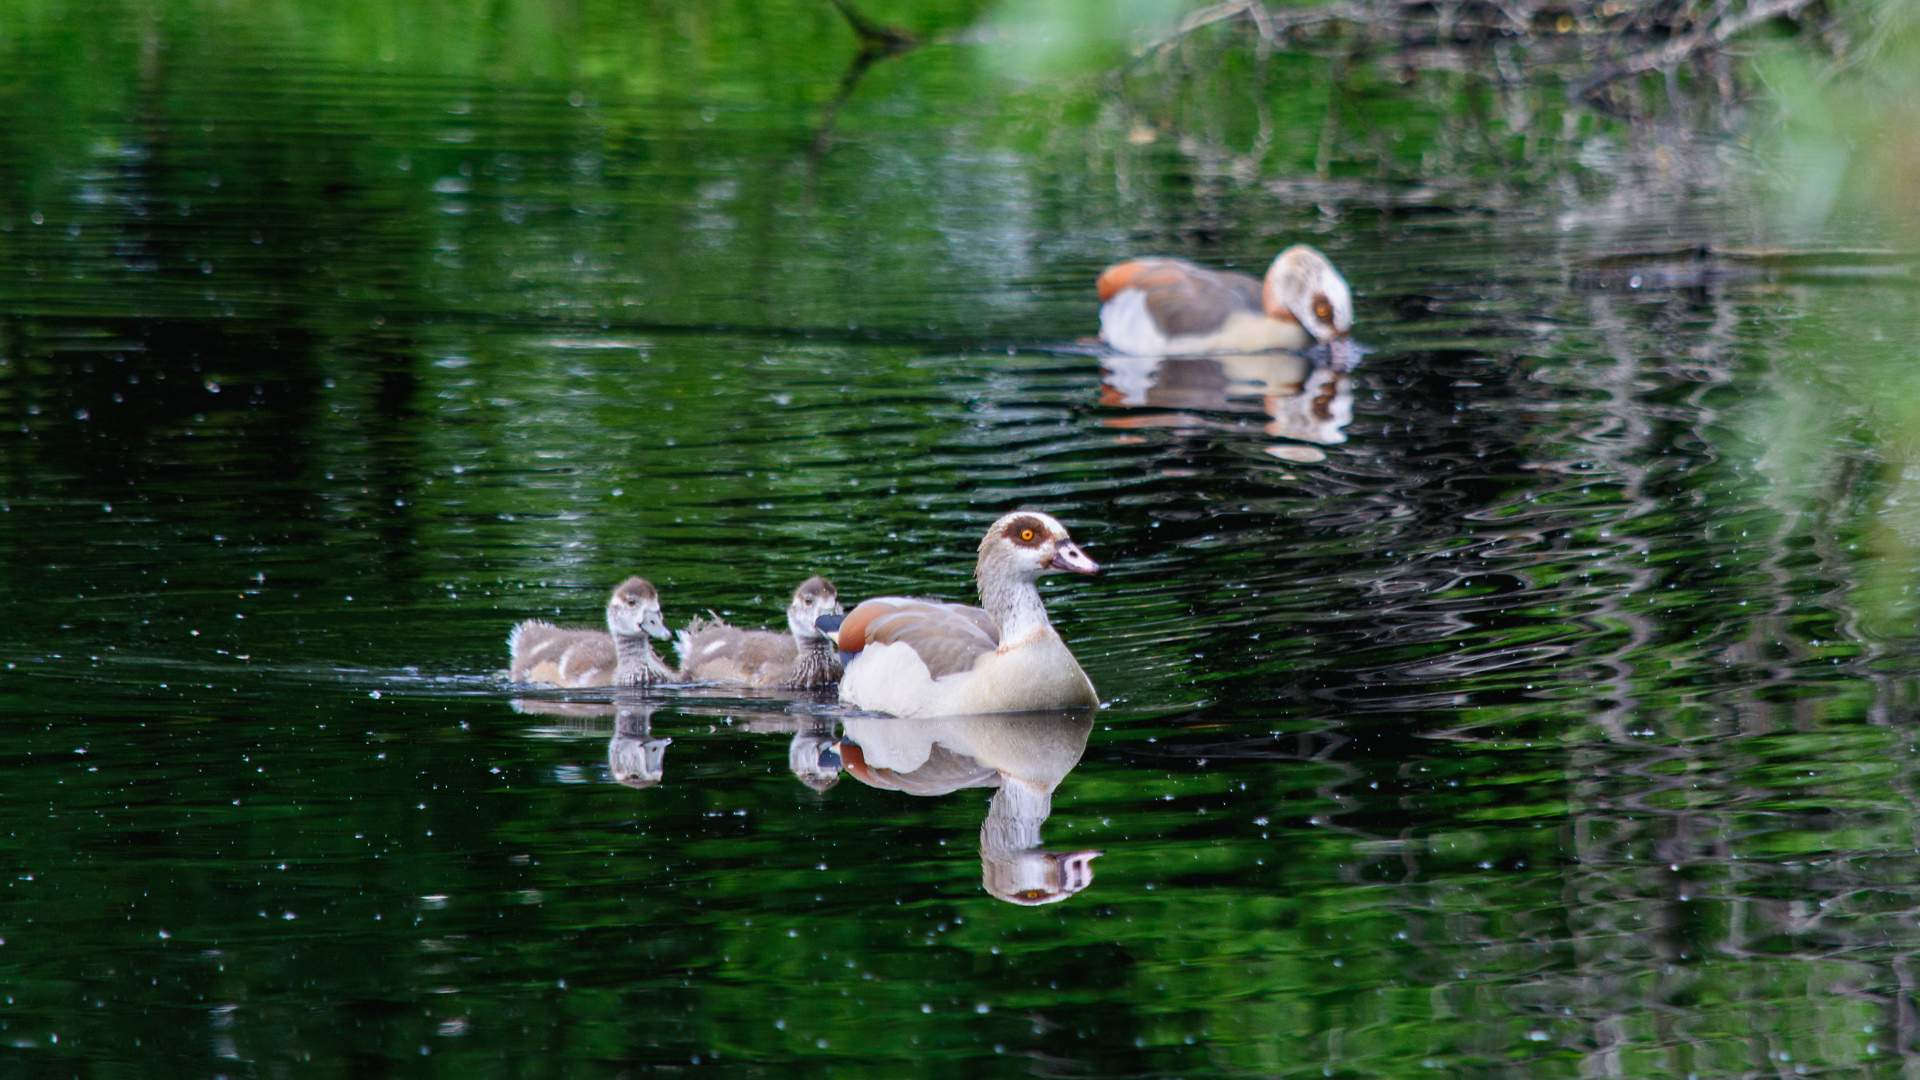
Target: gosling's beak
[1068, 556]
[829, 625]
[655, 626]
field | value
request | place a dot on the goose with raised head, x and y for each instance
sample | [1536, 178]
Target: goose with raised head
[577, 657]
[913, 657]
[1170, 307]
[804, 658]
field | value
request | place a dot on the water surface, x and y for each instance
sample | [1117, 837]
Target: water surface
[1537, 701]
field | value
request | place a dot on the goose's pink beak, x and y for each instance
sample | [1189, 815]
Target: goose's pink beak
[1068, 556]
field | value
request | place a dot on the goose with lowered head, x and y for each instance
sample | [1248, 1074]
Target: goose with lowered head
[801, 659]
[577, 657]
[1170, 307]
[913, 657]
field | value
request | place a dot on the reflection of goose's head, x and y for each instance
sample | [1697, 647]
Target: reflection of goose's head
[634, 757]
[1033, 878]
[1013, 866]
[814, 760]
[634, 610]
[815, 599]
[1025, 755]
[1319, 412]
[1303, 284]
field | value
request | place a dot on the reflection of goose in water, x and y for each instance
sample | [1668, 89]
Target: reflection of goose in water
[1302, 400]
[1170, 307]
[582, 657]
[634, 757]
[912, 657]
[803, 658]
[1024, 755]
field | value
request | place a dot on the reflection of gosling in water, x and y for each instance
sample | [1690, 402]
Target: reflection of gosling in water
[811, 754]
[634, 757]
[813, 759]
[804, 658]
[579, 657]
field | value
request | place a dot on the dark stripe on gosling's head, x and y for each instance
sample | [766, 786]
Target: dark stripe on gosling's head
[635, 590]
[816, 588]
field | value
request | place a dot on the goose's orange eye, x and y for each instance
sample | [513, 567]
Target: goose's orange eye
[1323, 310]
[1027, 535]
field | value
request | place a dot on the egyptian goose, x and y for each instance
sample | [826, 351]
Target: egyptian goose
[911, 657]
[1170, 307]
[1024, 755]
[576, 657]
[801, 659]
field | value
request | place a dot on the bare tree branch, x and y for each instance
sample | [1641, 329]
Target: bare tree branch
[1711, 35]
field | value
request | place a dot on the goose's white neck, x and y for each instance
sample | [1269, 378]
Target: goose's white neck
[1015, 604]
[1014, 817]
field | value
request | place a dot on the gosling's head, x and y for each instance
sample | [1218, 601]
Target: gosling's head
[634, 609]
[814, 599]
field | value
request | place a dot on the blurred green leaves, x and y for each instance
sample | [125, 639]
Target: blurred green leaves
[1844, 137]
[1047, 40]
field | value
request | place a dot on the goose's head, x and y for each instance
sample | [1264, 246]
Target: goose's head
[634, 609]
[1026, 544]
[1032, 878]
[1303, 285]
[815, 599]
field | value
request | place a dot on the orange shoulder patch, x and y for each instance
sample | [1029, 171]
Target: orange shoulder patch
[853, 632]
[1119, 276]
[852, 758]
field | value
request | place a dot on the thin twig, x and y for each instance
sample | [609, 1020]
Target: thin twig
[1681, 48]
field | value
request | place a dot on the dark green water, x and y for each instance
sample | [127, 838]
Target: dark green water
[1540, 702]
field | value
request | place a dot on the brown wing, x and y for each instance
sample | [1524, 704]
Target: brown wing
[564, 656]
[1199, 302]
[947, 637]
[1183, 299]
[721, 653]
